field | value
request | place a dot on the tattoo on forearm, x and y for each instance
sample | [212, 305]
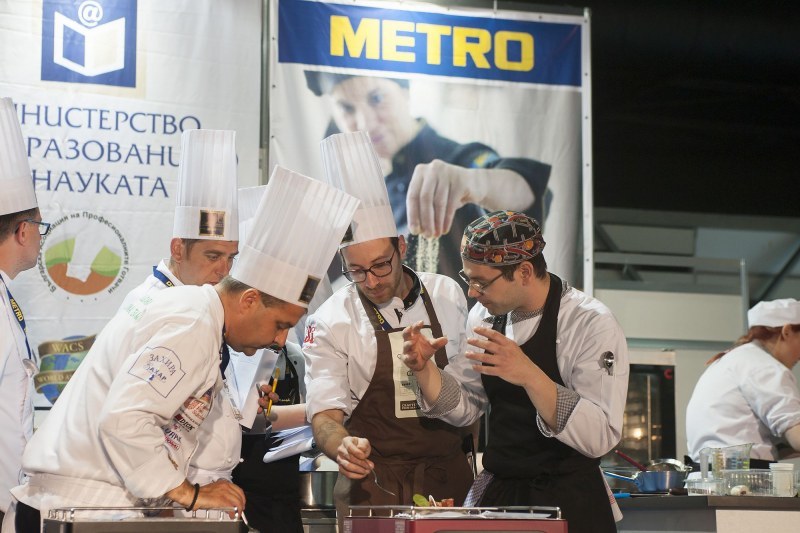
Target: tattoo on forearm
[328, 430]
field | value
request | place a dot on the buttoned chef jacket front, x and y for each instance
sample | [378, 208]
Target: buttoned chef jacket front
[16, 391]
[128, 419]
[586, 330]
[745, 396]
[221, 435]
[341, 348]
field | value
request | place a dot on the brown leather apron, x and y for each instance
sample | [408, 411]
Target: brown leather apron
[412, 454]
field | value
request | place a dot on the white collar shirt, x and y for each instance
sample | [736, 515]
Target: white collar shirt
[586, 330]
[341, 348]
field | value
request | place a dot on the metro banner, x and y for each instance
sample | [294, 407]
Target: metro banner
[474, 47]
[458, 89]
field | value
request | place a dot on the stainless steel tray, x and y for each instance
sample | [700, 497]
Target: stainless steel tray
[95, 520]
[412, 511]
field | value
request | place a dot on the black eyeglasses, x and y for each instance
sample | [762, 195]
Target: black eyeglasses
[477, 286]
[44, 227]
[379, 270]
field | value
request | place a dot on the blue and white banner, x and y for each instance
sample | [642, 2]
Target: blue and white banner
[504, 92]
[103, 90]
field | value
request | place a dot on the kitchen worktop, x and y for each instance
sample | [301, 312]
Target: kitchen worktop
[721, 514]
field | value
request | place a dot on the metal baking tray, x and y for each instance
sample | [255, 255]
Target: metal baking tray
[95, 520]
[410, 519]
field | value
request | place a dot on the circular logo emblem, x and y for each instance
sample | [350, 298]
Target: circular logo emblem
[84, 257]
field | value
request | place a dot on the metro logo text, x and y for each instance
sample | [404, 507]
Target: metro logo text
[398, 40]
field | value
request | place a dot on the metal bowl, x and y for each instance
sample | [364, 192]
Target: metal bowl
[316, 489]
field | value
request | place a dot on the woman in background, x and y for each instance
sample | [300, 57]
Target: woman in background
[748, 393]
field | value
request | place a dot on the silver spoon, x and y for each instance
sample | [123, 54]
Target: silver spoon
[375, 476]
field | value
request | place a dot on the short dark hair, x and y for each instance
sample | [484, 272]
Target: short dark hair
[234, 286]
[539, 267]
[189, 243]
[320, 82]
[395, 244]
[9, 222]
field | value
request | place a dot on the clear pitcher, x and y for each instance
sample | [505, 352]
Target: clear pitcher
[727, 458]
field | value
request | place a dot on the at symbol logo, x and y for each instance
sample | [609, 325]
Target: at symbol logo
[90, 13]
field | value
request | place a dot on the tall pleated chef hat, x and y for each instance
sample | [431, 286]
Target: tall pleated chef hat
[206, 203]
[249, 198]
[296, 230]
[775, 313]
[16, 183]
[351, 165]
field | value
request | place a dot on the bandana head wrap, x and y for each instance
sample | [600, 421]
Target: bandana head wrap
[502, 238]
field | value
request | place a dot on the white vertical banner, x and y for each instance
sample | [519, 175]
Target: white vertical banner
[475, 88]
[103, 90]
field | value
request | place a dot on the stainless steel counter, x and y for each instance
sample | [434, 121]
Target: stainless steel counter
[319, 520]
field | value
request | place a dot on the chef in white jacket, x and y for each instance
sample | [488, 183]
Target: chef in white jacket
[125, 428]
[748, 393]
[21, 230]
[199, 251]
[360, 400]
[551, 361]
[202, 252]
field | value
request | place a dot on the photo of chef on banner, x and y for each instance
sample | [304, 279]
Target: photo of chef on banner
[467, 114]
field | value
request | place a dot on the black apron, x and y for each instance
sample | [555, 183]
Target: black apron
[529, 468]
[411, 455]
[272, 510]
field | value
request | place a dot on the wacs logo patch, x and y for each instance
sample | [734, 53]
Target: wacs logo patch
[93, 41]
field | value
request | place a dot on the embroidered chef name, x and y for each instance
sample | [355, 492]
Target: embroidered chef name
[160, 367]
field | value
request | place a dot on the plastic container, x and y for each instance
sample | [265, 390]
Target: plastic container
[753, 482]
[704, 487]
[783, 481]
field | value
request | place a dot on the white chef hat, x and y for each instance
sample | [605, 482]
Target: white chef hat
[295, 233]
[249, 198]
[351, 165]
[16, 184]
[775, 313]
[206, 203]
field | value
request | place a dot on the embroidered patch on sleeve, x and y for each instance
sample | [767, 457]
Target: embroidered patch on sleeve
[160, 367]
[309, 339]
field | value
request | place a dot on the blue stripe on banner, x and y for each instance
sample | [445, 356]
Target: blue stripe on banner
[347, 36]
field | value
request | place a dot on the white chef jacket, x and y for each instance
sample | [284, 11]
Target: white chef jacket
[746, 396]
[341, 349]
[150, 285]
[220, 436]
[16, 391]
[125, 426]
[586, 330]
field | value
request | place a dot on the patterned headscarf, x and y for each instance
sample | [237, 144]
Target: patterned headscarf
[502, 238]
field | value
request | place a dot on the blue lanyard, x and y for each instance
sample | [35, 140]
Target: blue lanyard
[21, 319]
[224, 354]
[382, 321]
[160, 276]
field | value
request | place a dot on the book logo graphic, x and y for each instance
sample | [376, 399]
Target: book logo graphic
[93, 41]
